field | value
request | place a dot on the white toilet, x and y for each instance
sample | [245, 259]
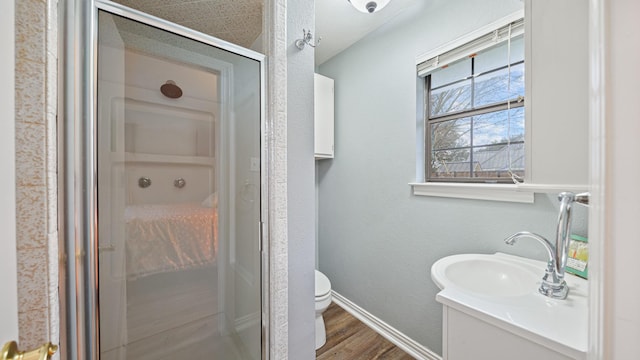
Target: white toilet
[323, 299]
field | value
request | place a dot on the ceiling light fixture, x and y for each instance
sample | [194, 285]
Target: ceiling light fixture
[369, 6]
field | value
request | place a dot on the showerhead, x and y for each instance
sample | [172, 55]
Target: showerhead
[171, 90]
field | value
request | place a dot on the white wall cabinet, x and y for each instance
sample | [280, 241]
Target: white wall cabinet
[323, 117]
[557, 98]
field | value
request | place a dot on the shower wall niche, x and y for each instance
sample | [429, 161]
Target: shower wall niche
[166, 139]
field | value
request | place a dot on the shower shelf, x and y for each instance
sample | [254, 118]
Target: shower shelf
[172, 159]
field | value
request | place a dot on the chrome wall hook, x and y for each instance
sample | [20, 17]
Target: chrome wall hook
[307, 39]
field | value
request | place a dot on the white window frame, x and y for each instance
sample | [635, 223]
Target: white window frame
[477, 191]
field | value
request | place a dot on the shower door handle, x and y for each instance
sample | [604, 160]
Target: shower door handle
[10, 352]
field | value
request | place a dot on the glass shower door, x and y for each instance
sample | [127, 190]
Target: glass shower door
[178, 136]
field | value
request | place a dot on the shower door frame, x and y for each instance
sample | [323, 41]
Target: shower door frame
[78, 191]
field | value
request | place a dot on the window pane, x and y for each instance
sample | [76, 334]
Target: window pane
[493, 87]
[455, 97]
[493, 161]
[493, 128]
[484, 147]
[453, 72]
[496, 57]
[450, 163]
[451, 134]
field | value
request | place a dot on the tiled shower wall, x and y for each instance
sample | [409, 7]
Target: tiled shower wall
[36, 188]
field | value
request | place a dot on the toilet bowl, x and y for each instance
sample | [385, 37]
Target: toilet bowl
[323, 299]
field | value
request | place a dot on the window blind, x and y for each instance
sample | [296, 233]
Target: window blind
[471, 48]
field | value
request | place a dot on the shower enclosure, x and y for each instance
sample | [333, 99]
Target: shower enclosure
[163, 190]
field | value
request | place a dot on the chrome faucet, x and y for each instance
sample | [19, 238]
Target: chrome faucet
[553, 283]
[563, 230]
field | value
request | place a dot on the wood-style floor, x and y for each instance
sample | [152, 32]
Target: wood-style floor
[349, 339]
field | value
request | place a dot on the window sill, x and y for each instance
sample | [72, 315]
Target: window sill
[521, 193]
[492, 192]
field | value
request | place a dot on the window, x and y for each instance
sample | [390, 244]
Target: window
[474, 113]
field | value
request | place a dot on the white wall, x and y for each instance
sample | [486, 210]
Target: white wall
[376, 241]
[622, 198]
[300, 182]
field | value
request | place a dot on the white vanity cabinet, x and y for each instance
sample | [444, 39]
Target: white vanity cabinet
[467, 337]
[323, 117]
[492, 310]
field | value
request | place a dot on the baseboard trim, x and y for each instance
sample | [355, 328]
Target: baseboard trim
[399, 339]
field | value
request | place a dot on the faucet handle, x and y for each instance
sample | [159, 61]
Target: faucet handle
[566, 197]
[583, 198]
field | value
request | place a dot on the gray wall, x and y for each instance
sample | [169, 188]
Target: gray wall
[376, 241]
[300, 178]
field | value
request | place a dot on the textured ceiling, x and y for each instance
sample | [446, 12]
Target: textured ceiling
[240, 21]
[235, 21]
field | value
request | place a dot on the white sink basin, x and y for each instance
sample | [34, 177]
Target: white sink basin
[502, 290]
[488, 275]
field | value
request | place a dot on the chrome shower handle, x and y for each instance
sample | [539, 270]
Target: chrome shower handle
[179, 183]
[144, 182]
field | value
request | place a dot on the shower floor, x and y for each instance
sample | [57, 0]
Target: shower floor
[197, 340]
[161, 303]
[176, 315]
